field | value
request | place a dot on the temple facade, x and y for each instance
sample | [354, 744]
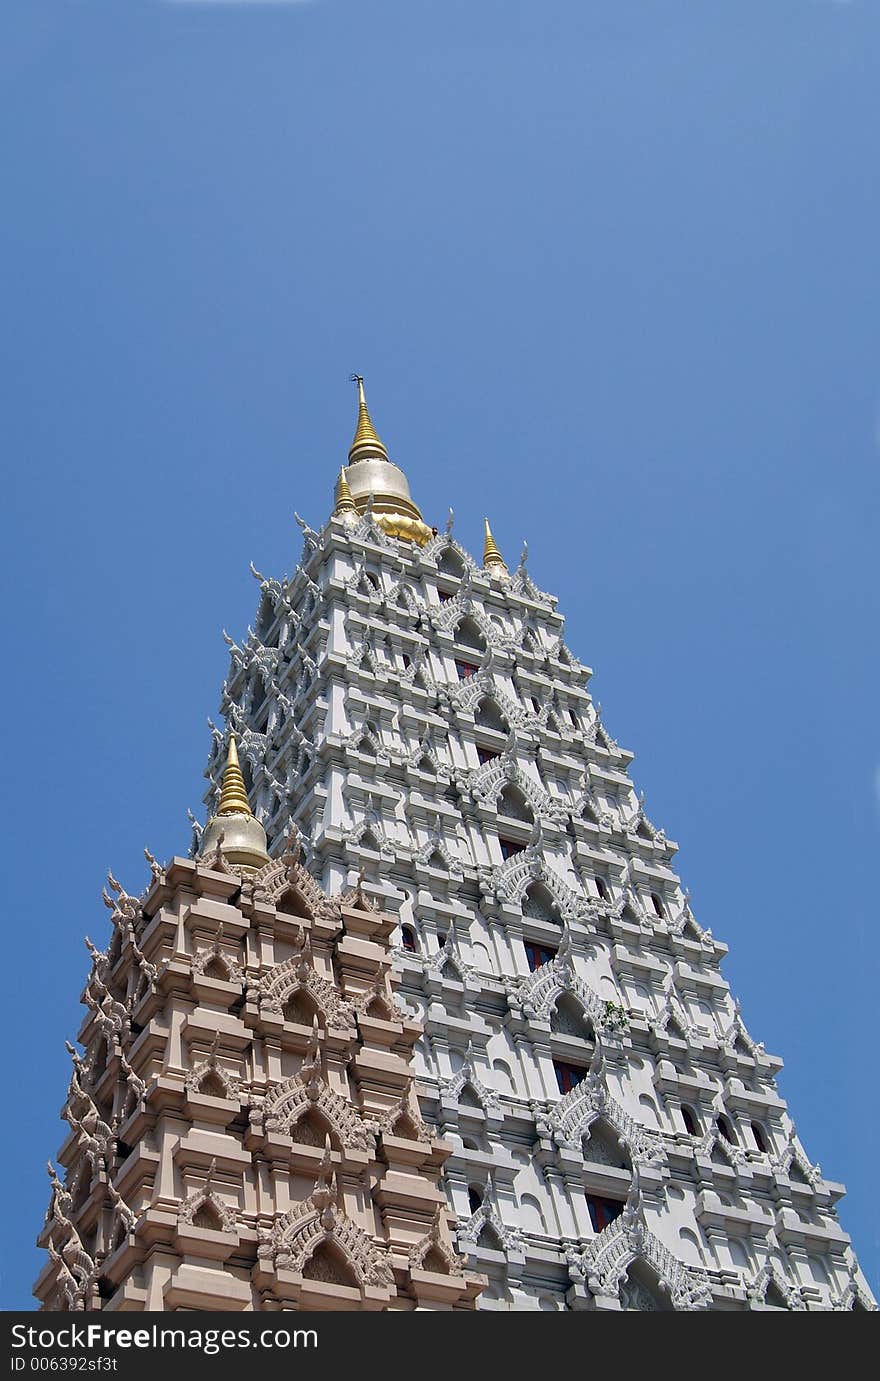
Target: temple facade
[426, 1020]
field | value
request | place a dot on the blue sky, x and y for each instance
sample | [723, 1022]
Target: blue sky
[610, 270]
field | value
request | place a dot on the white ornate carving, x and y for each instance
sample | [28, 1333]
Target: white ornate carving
[770, 1273]
[488, 1215]
[607, 1258]
[575, 1112]
[433, 1242]
[467, 1077]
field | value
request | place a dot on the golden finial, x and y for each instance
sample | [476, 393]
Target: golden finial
[366, 439]
[344, 501]
[233, 796]
[492, 558]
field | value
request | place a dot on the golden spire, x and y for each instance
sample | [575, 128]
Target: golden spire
[492, 558]
[366, 439]
[344, 501]
[233, 796]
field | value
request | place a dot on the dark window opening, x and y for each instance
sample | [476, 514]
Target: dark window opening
[657, 904]
[486, 755]
[725, 1127]
[509, 847]
[567, 1076]
[689, 1120]
[444, 596]
[603, 1211]
[760, 1138]
[408, 939]
[538, 955]
[602, 889]
[475, 1199]
[465, 669]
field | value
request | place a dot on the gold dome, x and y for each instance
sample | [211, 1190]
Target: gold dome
[371, 475]
[235, 828]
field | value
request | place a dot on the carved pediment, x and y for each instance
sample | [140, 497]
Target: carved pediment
[288, 1102]
[296, 975]
[319, 1227]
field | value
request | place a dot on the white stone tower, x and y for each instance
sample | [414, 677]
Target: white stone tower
[619, 1139]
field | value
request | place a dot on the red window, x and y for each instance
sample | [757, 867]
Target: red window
[603, 1211]
[486, 754]
[408, 939]
[568, 1076]
[465, 670]
[538, 955]
[509, 847]
[444, 596]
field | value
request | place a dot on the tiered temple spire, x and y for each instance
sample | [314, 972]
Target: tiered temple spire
[487, 907]
[366, 443]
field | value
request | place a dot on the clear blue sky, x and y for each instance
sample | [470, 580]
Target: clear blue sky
[610, 270]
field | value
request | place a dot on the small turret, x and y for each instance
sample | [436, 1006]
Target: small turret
[235, 829]
[345, 508]
[493, 561]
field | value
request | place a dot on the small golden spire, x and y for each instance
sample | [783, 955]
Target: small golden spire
[366, 439]
[344, 501]
[233, 796]
[492, 558]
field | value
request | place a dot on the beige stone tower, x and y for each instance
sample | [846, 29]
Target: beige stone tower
[244, 1133]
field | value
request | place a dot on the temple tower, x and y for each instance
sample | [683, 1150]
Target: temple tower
[244, 1133]
[607, 1132]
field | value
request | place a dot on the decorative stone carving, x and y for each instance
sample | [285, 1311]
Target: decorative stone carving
[794, 1154]
[221, 1213]
[467, 1077]
[125, 1217]
[211, 1070]
[489, 781]
[292, 1099]
[320, 1218]
[278, 878]
[433, 1245]
[111, 1016]
[297, 974]
[408, 1111]
[770, 1274]
[214, 955]
[95, 1138]
[575, 1112]
[604, 1262]
[536, 994]
[75, 1270]
[488, 1215]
